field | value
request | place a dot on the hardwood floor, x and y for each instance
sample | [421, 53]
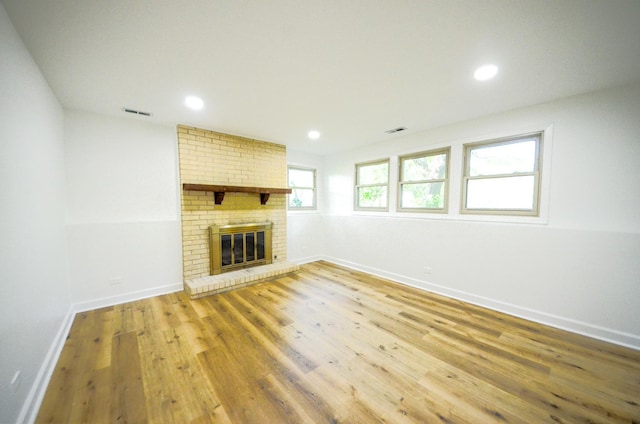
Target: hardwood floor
[332, 345]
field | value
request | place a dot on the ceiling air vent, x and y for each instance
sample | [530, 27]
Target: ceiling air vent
[136, 112]
[395, 130]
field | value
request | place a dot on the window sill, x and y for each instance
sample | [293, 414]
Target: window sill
[467, 217]
[302, 212]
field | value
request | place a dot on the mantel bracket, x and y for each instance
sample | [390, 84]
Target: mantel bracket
[218, 197]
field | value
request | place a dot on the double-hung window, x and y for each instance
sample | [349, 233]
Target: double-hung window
[372, 185]
[503, 176]
[423, 181]
[302, 182]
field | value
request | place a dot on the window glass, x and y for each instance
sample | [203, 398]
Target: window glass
[423, 195]
[372, 197]
[503, 176]
[302, 182]
[372, 185]
[503, 159]
[424, 168]
[423, 181]
[501, 193]
[373, 174]
[301, 177]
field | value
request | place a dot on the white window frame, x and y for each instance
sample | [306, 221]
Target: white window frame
[536, 173]
[359, 186]
[314, 189]
[401, 181]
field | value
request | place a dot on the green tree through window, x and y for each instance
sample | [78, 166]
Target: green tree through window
[372, 185]
[302, 182]
[423, 181]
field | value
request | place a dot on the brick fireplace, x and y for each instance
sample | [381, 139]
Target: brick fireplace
[221, 176]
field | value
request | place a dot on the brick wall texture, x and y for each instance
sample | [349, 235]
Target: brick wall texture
[208, 157]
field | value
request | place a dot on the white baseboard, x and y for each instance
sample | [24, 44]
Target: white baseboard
[590, 330]
[306, 260]
[30, 408]
[31, 405]
[126, 297]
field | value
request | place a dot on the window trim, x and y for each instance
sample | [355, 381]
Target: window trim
[314, 189]
[445, 180]
[357, 186]
[536, 173]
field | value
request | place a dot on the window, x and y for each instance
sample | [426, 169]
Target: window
[424, 181]
[503, 176]
[302, 182]
[372, 185]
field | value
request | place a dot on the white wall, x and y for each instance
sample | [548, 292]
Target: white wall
[120, 169]
[305, 239]
[579, 270]
[123, 222]
[34, 292]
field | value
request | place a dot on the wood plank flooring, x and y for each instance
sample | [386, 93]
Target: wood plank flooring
[332, 345]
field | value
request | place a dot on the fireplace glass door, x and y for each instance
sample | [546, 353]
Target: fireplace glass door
[239, 246]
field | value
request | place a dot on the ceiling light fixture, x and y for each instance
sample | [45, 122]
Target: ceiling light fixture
[313, 135]
[485, 72]
[193, 102]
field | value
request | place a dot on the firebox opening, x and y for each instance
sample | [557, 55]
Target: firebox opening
[239, 246]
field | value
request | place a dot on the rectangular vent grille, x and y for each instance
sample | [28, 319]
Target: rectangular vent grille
[395, 130]
[136, 112]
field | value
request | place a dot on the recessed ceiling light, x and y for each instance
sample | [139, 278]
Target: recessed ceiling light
[194, 102]
[485, 72]
[313, 135]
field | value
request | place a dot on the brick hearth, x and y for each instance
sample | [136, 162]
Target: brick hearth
[212, 284]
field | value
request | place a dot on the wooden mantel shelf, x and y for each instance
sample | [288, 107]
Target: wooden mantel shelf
[220, 190]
